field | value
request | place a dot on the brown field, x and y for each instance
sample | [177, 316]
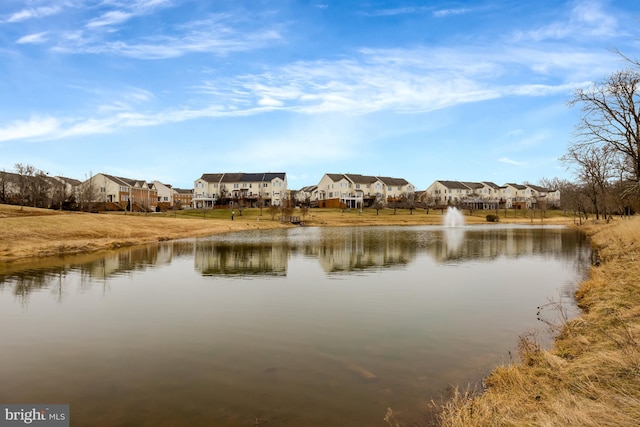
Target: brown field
[591, 376]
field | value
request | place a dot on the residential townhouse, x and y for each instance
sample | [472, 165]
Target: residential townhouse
[165, 195]
[306, 194]
[356, 191]
[396, 188]
[114, 192]
[182, 198]
[252, 189]
[488, 195]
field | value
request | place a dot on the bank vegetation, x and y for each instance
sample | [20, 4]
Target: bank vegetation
[591, 375]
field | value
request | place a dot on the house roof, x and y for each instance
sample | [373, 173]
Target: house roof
[335, 176]
[69, 181]
[454, 185]
[183, 190]
[538, 188]
[474, 185]
[120, 180]
[360, 179]
[243, 177]
[491, 184]
[516, 186]
[393, 181]
[211, 177]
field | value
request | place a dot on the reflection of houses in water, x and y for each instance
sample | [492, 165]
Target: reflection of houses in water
[224, 258]
[492, 242]
[136, 258]
[363, 249]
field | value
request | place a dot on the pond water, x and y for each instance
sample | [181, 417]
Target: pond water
[297, 327]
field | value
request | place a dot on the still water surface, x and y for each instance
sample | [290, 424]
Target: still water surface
[298, 327]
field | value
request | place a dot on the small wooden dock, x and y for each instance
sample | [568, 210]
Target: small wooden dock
[291, 218]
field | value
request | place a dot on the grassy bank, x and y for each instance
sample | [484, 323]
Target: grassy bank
[591, 377]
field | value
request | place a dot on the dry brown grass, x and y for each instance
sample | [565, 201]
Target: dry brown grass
[41, 232]
[591, 377]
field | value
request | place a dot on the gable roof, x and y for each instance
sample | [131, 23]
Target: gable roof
[360, 179]
[393, 181]
[491, 184]
[243, 177]
[335, 176]
[474, 185]
[183, 190]
[516, 186]
[454, 185]
[69, 181]
[211, 177]
[538, 188]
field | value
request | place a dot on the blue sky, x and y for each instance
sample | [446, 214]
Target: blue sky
[423, 90]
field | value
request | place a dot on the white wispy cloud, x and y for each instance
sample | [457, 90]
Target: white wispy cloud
[32, 13]
[110, 18]
[33, 38]
[399, 11]
[128, 11]
[220, 34]
[511, 162]
[586, 19]
[398, 80]
[441, 13]
[32, 128]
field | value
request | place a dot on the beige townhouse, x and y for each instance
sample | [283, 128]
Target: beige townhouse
[488, 195]
[251, 189]
[356, 191]
[114, 193]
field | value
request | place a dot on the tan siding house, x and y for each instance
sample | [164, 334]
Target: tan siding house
[252, 189]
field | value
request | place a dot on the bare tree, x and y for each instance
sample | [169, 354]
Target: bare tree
[25, 173]
[4, 187]
[304, 211]
[408, 201]
[611, 119]
[273, 211]
[593, 168]
[379, 203]
[87, 194]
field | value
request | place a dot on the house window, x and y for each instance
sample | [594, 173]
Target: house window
[103, 189]
[236, 185]
[199, 185]
[357, 186]
[166, 199]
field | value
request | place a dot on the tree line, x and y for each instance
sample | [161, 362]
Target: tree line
[604, 154]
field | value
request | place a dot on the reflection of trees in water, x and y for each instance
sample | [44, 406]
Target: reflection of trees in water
[492, 242]
[51, 273]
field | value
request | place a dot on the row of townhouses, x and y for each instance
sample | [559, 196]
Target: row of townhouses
[270, 189]
[488, 195]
